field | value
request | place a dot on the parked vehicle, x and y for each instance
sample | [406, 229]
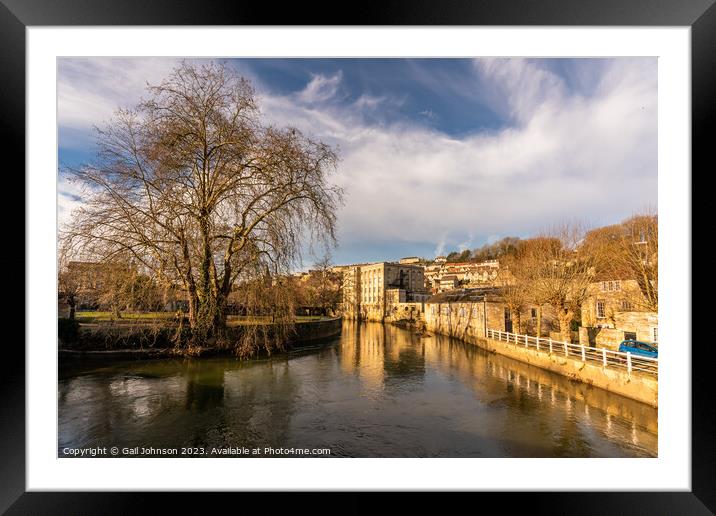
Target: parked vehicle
[636, 347]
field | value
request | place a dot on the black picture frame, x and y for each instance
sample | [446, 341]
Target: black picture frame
[16, 15]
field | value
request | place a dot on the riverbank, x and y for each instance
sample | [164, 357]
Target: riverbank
[133, 342]
[636, 386]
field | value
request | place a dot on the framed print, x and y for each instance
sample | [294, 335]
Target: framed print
[425, 240]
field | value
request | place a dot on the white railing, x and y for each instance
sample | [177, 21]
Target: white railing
[603, 356]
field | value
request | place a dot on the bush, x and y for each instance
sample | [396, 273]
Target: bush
[67, 330]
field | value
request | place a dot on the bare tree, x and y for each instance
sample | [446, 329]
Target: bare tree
[557, 270]
[197, 190]
[325, 285]
[630, 251]
[513, 287]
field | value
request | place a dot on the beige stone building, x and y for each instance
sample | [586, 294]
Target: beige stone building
[448, 282]
[471, 311]
[614, 311]
[369, 290]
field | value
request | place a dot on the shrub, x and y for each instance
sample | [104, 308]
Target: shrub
[67, 330]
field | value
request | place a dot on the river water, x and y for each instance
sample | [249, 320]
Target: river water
[376, 391]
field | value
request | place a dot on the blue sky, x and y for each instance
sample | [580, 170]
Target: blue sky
[436, 154]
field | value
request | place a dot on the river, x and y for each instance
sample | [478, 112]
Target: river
[376, 391]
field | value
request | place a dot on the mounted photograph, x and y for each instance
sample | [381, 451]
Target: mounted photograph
[357, 257]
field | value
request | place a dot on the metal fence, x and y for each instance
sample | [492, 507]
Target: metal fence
[602, 356]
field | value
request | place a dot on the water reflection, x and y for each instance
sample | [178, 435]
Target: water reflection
[378, 391]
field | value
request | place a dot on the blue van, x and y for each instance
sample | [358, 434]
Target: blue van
[636, 347]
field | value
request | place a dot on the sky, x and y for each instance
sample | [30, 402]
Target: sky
[435, 155]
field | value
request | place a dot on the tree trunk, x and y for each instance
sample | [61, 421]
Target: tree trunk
[539, 321]
[518, 320]
[565, 322]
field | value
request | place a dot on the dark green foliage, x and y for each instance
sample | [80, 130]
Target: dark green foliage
[67, 330]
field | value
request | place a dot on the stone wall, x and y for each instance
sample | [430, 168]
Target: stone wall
[405, 311]
[643, 388]
[466, 321]
[643, 324]
[469, 317]
[610, 314]
[157, 339]
[310, 331]
[640, 387]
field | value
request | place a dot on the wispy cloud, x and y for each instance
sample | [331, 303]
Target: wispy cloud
[320, 88]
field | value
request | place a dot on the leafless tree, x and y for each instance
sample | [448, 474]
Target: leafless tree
[325, 286]
[630, 251]
[513, 287]
[557, 270]
[197, 190]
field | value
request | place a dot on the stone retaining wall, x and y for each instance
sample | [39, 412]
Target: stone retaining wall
[133, 342]
[640, 387]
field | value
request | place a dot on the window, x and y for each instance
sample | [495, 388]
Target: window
[626, 305]
[611, 286]
[655, 335]
[629, 335]
[601, 309]
[534, 313]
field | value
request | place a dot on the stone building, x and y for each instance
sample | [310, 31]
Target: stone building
[472, 311]
[448, 282]
[369, 289]
[614, 311]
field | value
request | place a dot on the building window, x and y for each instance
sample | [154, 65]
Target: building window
[629, 335]
[626, 305]
[534, 313]
[601, 310]
[611, 286]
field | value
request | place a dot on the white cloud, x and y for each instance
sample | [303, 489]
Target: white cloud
[89, 91]
[564, 155]
[320, 88]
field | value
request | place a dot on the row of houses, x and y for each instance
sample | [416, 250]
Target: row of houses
[387, 291]
[441, 276]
